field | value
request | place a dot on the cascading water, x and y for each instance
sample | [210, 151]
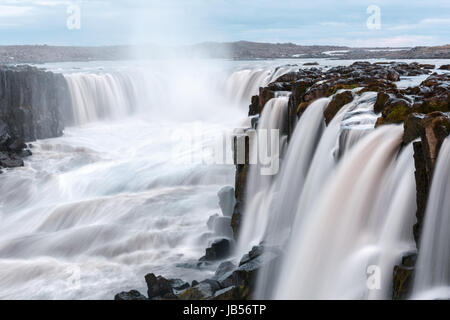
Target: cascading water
[272, 118]
[121, 194]
[322, 161]
[243, 84]
[262, 195]
[105, 96]
[432, 279]
[328, 258]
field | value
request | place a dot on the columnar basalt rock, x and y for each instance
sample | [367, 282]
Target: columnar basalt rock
[34, 104]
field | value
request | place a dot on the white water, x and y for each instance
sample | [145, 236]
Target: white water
[103, 201]
[323, 259]
[258, 185]
[432, 280]
[328, 259]
[124, 193]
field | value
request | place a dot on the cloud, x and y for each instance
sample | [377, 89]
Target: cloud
[9, 11]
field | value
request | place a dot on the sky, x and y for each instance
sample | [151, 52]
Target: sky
[180, 22]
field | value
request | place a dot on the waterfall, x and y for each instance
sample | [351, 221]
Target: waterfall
[257, 211]
[243, 84]
[327, 256]
[258, 185]
[109, 96]
[432, 280]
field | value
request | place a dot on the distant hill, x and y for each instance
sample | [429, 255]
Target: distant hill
[240, 50]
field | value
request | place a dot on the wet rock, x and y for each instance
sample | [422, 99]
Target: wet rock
[412, 127]
[338, 101]
[252, 254]
[201, 291]
[265, 94]
[395, 111]
[253, 109]
[34, 104]
[311, 64]
[224, 268]
[227, 200]
[403, 277]
[232, 293]
[236, 218]
[178, 284]
[445, 67]
[219, 249]
[9, 162]
[130, 295]
[432, 129]
[382, 98]
[158, 286]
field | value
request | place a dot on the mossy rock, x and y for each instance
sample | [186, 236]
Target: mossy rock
[302, 107]
[396, 111]
[338, 101]
[333, 89]
[241, 292]
[382, 98]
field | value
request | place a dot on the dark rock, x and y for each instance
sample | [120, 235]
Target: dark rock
[382, 98]
[412, 127]
[157, 286]
[194, 283]
[178, 284]
[201, 291]
[254, 253]
[445, 67]
[338, 101]
[254, 106]
[131, 295]
[236, 218]
[311, 64]
[219, 249]
[265, 94]
[224, 268]
[10, 162]
[403, 277]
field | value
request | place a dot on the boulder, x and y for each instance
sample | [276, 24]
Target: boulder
[403, 277]
[224, 268]
[178, 284]
[219, 249]
[130, 295]
[158, 286]
[445, 67]
[338, 101]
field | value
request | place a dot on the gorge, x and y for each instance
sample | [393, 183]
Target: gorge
[105, 192]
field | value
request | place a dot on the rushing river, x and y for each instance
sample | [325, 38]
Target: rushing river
[124, 191]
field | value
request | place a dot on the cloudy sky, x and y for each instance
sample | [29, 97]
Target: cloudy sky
[170, 22]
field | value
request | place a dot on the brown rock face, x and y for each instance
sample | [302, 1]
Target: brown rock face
[338, 101]
[265, 94]
[432, 129]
